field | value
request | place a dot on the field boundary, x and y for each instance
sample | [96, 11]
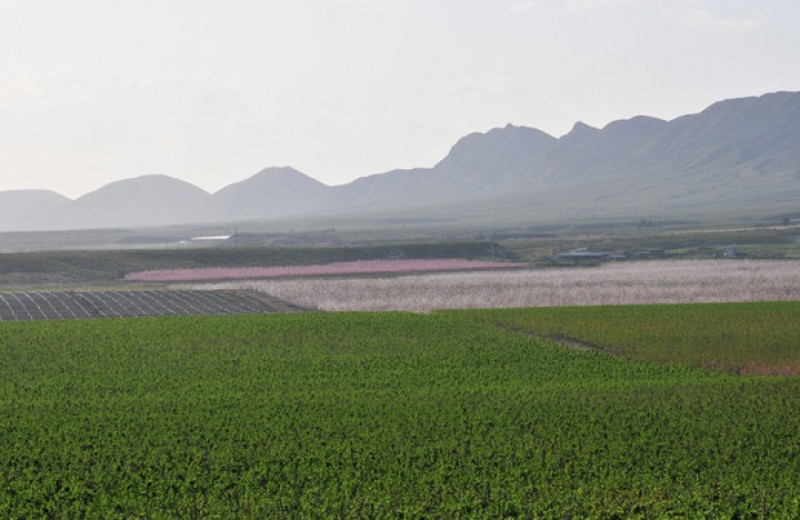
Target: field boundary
[566, 341]
[270, 303]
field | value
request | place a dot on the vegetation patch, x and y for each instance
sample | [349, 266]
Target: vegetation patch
[81, 266]
[743, 338]
[358, 267]
[610, 284]
[371, 415]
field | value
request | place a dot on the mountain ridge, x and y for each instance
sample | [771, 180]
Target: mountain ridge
[736, 153]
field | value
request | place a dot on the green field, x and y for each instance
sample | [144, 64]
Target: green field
[378, 414]
[742, 338]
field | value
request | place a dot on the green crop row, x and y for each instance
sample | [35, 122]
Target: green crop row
[374, 415]
[743, 338]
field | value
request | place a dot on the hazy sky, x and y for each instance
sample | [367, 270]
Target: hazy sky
[211, 91]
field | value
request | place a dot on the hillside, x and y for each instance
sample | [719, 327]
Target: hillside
[271, 192]
[150, 200]
[25, 210]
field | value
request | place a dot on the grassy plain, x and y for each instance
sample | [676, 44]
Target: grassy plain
[378, 414]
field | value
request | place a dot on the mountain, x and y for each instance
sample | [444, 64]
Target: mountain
[272, 192]
[738, 157]
[477, 166]
[28, 210]
[149, 200]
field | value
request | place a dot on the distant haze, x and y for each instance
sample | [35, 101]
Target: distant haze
[211, 92]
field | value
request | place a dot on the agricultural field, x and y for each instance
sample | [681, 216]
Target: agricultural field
[742, 338]
[59, 268]
[446, 415]
[675, 281]
[753, 242]
[359, 267]
[65, 305]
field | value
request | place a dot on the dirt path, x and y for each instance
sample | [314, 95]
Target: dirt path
[565, 341]
[572, 343]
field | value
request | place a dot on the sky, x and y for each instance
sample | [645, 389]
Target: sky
[212, 91]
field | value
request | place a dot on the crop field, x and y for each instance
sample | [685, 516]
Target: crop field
[65, 305]
[742, 338]
[359, 267]
[439, 415]
[682, 281]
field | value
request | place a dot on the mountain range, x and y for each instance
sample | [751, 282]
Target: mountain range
[737, 157]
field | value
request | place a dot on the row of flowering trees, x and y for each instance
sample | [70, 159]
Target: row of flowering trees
[332, 269]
